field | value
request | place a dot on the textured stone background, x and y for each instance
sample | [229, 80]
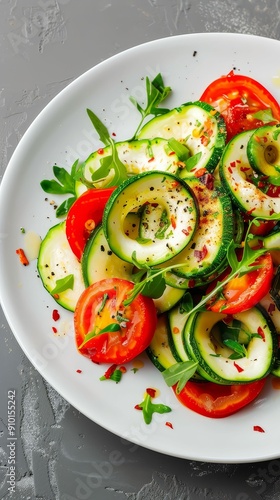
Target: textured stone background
[44, 45]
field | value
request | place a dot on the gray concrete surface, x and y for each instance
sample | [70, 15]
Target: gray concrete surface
[44, 45]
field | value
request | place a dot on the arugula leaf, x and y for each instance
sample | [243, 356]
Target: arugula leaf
[156, 92]
[179, 374]
[63, 284]
[113, 327]
[238, 349]
[111, 163]
[64, 207]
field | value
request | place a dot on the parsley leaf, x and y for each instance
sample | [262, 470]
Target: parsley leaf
[63, 284]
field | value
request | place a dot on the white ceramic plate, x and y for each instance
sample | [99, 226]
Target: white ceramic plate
[60, 134]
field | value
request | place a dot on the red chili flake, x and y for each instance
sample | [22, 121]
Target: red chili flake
[208, 180]
[192, 283]
[151, 392]
[171, 153]
[238, 368]
[174, 184]
[123, 369]
[271, 212]
[110, 371]
[271, 308]
[100, 151]
[244, 169]
[175, 329]
[261, 333]
[186, 231]
[22, 257]
[55, 315]
[233, 164]
[173, 221]
[249, 212]
[79, 371]
[258, 428]
[151, 159]
[138, 407]
[201, 254]
[230, 170]
[169, 424]
[200, 172]
[113, 134]
[54, 329]
[204, 140]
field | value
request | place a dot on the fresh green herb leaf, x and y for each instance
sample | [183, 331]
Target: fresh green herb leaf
[265, 115]
[63, 284]
[113, 327]
[179, 374]
[109, 164]
[238, 349]
[192, 161]
[156, 92]
[148, 408]
[181, 150]
[64, 207]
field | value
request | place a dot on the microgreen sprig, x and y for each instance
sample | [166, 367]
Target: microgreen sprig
[156, 93]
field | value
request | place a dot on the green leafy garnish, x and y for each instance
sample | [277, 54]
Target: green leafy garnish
[179, 374]
[150, 408]
[265, 115]
[181, 150]
[109, 164]
[156, 93]
[113, 327]
[65, 184]
[63, 284]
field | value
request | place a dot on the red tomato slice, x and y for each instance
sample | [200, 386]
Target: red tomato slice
[242, 293]
[218, 401]
[83, 216]
[101, 305]
[238, 98]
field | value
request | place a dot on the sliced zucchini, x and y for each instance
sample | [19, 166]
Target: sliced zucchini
[238, 176]
[99, 262]
[177, 318]
[57, 261]
[264, 151]
[208, 246]
[168, 299]
[204, 339]
[173, 196]
[197, 125]
[272, 243]
[137, 156]
[159, 350]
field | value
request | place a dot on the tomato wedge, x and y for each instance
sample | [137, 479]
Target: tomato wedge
[238, 98]
[83, 216]
[129, 328]
[242, 293]
[218, 401]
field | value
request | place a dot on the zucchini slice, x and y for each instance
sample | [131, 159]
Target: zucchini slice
[159, 350]
[238, 175]
[99, 262]
[158, 188]
[208, 246]
[137, 156]
[263, 150]
[197, 125]
[56, 261]
[204, 339]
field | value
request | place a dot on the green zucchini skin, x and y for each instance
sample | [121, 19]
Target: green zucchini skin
[56, 261]
[137, 156]
[99, 262]
[203, 342]
[159, 350]
[206, 251]
[237, 175]
[199, 127]
[263, 150]
[160, 188]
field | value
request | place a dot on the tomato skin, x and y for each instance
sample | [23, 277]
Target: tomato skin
[242, 293]
[88, 207]
[218, 401]
[118, 347]
[238, 98]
